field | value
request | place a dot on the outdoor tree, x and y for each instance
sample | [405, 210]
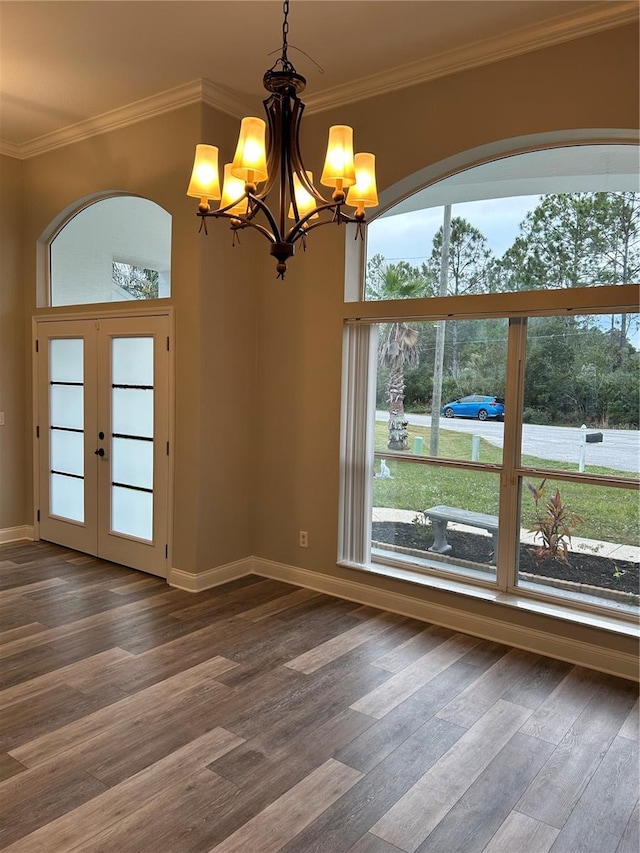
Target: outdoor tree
[138, 282]
[576, 371]
[520, 268]
[618, 219]
[469, 256]
[580, 369]
[468, 268]
[398, 342]
[559, 245]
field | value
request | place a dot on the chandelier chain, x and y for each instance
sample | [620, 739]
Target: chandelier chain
[285, 31]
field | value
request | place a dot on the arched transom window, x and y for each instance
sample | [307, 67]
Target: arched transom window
[115, 250]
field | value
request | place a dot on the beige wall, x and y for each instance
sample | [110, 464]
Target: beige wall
[590, 83]
[14, 379]
[258, 361]
[226, 381]
[587, 83]
[212, 294]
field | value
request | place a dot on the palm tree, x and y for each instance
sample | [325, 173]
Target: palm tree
[397, 348]
[398, 342]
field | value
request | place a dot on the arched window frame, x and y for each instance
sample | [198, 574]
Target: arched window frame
[44, 283]
[358, 398]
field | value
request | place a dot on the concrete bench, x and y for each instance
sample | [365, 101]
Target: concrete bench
[440, 516]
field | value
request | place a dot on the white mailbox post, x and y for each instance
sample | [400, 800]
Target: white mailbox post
[583, 447]
[586, 438]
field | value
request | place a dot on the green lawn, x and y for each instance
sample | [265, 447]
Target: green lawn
[610, 514]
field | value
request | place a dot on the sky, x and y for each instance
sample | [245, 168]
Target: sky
[409, 236]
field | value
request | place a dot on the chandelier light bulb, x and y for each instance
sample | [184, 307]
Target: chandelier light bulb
[364, 192]
[250, 161]
[339, 166]
[305, 202]
[233, 191]
[205, 180]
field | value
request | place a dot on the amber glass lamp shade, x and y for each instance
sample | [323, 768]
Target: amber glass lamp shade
[304, 200]
[250, 160]
[205, 180]
[364, 192]
[233, 191]
[339, 168]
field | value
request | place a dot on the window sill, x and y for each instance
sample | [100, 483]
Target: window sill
[467, 589]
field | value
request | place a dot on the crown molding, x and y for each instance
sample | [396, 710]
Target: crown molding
[566, 28]
[228, 101]
[11, 149]
[514, 43]
[145, 108]
[197, 91]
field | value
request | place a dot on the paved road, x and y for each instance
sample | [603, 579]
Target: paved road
[620, 449]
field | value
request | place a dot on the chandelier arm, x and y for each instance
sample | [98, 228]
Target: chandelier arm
[271, 109]
[224, 211]
[299, 229]
[296, 156]
[344, 217]
[286, 178]
[294, 163]
[275, 234]
[241, 223]
[339, 217]
[248, 223]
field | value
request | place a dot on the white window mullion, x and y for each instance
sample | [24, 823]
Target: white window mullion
[360, 346]
[509, 490]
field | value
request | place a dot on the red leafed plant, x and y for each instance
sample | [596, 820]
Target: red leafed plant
[555, 522]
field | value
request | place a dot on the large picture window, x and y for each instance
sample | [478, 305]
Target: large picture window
[500, 446]
[549, 508]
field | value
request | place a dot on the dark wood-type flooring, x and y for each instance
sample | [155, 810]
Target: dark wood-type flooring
[259, 717]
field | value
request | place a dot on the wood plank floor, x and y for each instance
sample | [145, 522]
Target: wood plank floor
[258, 717]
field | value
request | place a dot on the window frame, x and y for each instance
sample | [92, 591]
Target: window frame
[357, 452]
[45, 243]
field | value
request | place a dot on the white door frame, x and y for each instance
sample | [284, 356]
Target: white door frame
[39, 321]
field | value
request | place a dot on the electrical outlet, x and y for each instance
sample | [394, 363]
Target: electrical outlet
[303, 539]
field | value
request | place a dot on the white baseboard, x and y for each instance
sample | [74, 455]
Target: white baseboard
[14, 534]
[190, 582]
[529, 639]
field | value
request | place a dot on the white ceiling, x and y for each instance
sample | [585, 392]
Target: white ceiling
[70, 68]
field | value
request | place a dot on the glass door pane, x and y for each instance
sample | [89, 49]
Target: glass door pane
[66, 428]
[103, 457]
[132, 434]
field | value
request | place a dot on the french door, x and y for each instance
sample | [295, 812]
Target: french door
[103, 438]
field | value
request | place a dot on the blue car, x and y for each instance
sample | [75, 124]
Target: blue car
[475, 406]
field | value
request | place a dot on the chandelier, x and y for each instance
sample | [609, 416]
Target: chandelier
[277, 170]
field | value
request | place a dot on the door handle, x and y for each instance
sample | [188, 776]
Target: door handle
[100, 451]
